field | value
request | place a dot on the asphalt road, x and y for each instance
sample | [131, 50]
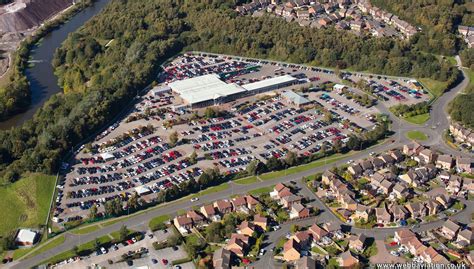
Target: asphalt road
[438, 115]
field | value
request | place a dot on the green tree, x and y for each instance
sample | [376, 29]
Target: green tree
[173, 138]
[123, 233]
[93, 212]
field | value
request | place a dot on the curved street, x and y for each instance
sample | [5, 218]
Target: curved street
[438, 119]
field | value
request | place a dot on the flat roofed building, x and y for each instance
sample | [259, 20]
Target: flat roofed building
[270, 84]
[206, 90]
[295, 99]
[26, 237]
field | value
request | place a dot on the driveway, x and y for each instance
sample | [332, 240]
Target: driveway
[383, 256]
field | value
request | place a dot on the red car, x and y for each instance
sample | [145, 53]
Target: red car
[164, 261]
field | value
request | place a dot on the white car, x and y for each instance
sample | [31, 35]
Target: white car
[262, 252]
[394, 253]
[194, 199]
[103, 250]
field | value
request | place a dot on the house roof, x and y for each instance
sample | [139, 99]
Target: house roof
[183, 220]
[450, 225]
[305, 263]
[222, 204]
[209, 210]
[291, 244]
[318, 231]
[297, 207]
[26, 236]
[221, 259]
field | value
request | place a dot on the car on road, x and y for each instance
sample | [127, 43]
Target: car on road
[129, 262]
[154, 261]
[164, 261]
[262, 252]
[194, 199]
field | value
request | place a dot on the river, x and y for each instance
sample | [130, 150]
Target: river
[43, 82]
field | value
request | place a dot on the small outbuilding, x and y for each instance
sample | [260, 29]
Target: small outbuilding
[26, 237]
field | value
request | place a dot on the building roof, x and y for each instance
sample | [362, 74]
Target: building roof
[26, 236]
[295, 98]
[221, 259]
[141, 190]
[204, 88]
[268, 82]
[305, 263]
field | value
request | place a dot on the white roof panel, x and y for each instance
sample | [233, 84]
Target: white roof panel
[204, 88]
[268, 82]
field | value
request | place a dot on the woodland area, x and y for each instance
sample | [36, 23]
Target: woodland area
[98, 80]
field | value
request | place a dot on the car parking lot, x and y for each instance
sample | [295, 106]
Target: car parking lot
[135, 154]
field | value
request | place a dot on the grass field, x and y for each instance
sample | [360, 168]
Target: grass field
[84, 248]
[304, 167]
[262, 190]
[246, 180]
[157, 220]
[222, 187]
[86, 230]
[25, 203]
[418, 119]
[416, 135]
[437, 88]
[40, 248]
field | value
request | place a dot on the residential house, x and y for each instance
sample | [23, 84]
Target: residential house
[468, 185]
[426, 156]
[382, 215]
[289, 201]
[302, 14]
[347, 202]
[464, 164]
[378, 164]
[454, 184]
[280, 191]
[397, 155]
[291, 250]
[222, 259]
[347, 260]
[387, 159]
[331, 227]
[411, 177]
[412, 149]
[415, 246]
[361, 213]
[317, 232]
[183, 224]
[325, 21]
[261, 222]
[355, 170]
[465, 238]
[403, 236]
[315, 9]
[197, 218]
[240, 204]
[432, 207]
[246, 228]
[238, 244]
[288, 12]
[210, 212]
[445, 161]
[450, 229]
[329, 177]
[279, 10]
[305, 263]
[298, 211]
[252, 202]
[357, 26]
[385, 187]
[444, 200]
[303, 238]
[223, 206]
[367, 166]
[430, 255]
[400, 191]
[357, 242]
[417, 210]
[399, 212]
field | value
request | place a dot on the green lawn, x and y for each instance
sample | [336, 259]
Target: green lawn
[116, 235]
[218, 188]
[436, 88]
[86, 230]
[246, 180]
[26, 202]
[418, 119]
[262, 190]
[304, 167]
[56, 241]
[84, 248]
[157, 220]
[416, 135]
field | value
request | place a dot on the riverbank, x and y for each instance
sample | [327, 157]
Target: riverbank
[16, 94]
